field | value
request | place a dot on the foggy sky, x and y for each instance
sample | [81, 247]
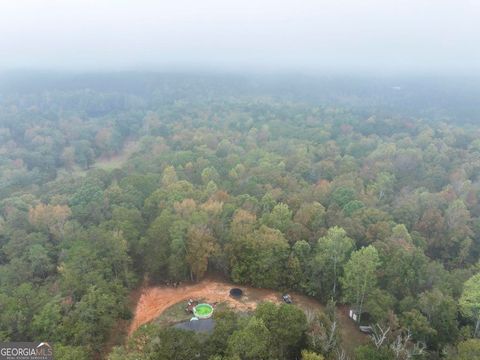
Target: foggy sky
[435, 36]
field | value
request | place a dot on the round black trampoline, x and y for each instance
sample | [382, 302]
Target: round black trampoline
[236, 292]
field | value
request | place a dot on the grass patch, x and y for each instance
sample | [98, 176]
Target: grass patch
[176, 313]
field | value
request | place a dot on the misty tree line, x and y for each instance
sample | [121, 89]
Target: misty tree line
[380, 213]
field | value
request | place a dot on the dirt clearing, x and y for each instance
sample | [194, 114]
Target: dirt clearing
[154, 300]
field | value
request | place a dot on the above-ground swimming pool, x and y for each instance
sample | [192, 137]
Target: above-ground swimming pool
[203, 311]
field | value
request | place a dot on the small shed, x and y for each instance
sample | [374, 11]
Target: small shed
[364, 319]
[354, 314]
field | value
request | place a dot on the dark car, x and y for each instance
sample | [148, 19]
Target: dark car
[287, 298]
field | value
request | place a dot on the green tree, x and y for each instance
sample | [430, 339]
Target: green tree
[331, 254]
[309, 355]
[353, 206]
[279, 218]
[360, 276]
[226, 322]
[47, 323]
[169, 176]
[295, 277]
[84, 154]
[419, 325]
[210, 174]
[405, 271]
[174, 344]
[441, 311]
[285, 340]
[379, 305]
[251, 342]
[383, 187]
[94, 315]
[369, 352]
[66, 352]
[156, 245]
[343, 195]
[468, 350]
[311, 215]
[470, 301]
[40, 263]
[259, 258]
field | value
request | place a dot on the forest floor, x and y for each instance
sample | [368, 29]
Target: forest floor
[154, 300]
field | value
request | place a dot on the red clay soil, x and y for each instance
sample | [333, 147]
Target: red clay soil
[154, 300]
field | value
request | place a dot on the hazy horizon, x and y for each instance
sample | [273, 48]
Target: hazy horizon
[422, 37]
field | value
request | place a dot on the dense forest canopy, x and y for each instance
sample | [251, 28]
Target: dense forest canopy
[351, 190]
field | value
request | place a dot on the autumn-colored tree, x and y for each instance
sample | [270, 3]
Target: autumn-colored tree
[185, 207]
[201, 245]
[311, 215]
[169, 176]
[243, 223]
[51, 218]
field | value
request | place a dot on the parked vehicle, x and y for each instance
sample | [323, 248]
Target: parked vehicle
[287, 298]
